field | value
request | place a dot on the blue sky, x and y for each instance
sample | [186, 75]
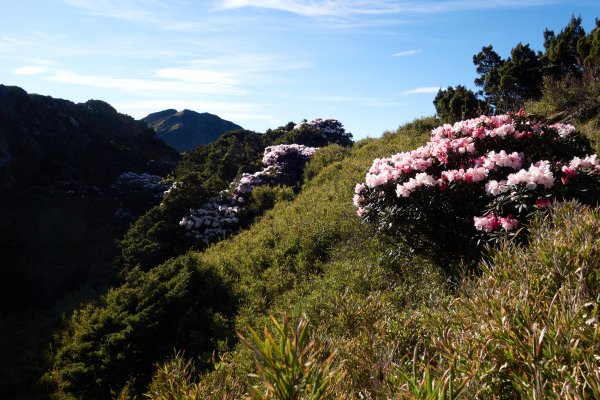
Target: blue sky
[372, 64]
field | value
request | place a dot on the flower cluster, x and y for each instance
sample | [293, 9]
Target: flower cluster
[214, 220]
[278, 155]
[499, 166]
[332, 130]
[490, 223]
[128, 181]
[137, 193]
[283, 164]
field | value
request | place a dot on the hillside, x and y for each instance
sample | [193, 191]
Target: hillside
[45, 140]
[57, 214]
[187, 129]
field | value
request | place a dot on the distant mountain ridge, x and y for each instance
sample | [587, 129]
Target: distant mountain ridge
[44, 140]
[187, 129]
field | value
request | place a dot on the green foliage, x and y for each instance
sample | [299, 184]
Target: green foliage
[520, 77]
[455, 104]
[220, 162]
[176, 379]
[264, 198]
[289, 365]
[569, 58]
[529, 326]
[181, 304]
[506, 84]
[588, 47]
[574, 98]
[561, 57]
[204, 172]
[426, 387]
[488, 64]
[313, 255]
[316, 133]
[324, 157]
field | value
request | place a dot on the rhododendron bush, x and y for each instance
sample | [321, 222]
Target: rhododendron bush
[475, 181]
[221, 216]
[137, 192]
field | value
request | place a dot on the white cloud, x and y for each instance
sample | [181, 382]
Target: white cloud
[407, 53]
[147, 86]
[166, 15]
[29, 70]
[216, 78]
[424, 89]
[332, 8]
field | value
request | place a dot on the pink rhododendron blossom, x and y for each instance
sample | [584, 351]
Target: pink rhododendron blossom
[508, 223]
[586, 162]
[424, 179]
[569, 171]
[501, 159]
[487, 223]
[273, 154]
[476, 174]
[538, 174]
[564, 130]
[495, 188]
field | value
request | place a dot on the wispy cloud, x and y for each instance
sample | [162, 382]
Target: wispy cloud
[8, 43]
[328, 8]
[253, 62]
[147, 86]
[158, 13]
[421, 90]
[29, 70]
[216, 78]
[406, 53]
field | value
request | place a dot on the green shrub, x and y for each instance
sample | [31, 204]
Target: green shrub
[264, 198]
[181, 304]
[324, 157]
[475, 181]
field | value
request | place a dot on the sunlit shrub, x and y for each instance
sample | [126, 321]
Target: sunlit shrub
[477, 179]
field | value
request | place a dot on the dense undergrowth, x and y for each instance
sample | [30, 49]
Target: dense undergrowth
[528, 327]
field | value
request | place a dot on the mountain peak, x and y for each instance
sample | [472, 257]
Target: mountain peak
[188, 129]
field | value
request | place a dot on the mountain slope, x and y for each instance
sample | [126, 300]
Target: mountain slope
[186, 130]
[58, 160]
[45, 140]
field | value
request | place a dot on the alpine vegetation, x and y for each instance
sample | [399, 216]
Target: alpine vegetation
[283, 165]
[476, 181]
[138, 192]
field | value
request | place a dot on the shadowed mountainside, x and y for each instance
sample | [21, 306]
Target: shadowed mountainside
[45, 140]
